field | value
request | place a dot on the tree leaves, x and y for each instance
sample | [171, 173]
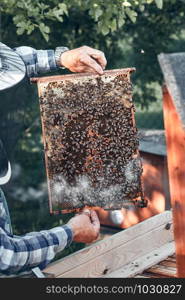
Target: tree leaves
[45, 30]
[126, 3]
[98, 13]
[159, 3]
[37, 15]
[131, 14]
[104, 29]
[24, 27]
[113, 25]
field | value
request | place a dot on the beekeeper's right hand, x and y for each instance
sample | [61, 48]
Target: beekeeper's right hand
[85, 226]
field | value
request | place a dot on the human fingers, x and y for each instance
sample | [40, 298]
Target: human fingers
[95, 221]
[90, 62]
[98, 55]
[100, 58]
[86, 211]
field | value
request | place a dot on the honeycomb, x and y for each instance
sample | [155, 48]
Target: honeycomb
[90, 141]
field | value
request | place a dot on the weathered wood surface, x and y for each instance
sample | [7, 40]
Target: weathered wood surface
[175, 138]
[106, 256]
[159, 270]
[145, 262]
[165, 269]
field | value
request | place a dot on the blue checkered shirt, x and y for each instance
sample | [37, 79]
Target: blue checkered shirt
[22, 253]
[37, 61]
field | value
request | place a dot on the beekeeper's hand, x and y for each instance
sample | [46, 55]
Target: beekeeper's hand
[85, 226]
[84, 59]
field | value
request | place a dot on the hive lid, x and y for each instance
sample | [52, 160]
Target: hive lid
[152, 141]
[173, 68]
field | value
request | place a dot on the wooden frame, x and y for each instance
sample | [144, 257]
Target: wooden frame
[63, 143]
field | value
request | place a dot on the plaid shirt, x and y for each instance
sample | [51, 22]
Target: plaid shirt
[37, 61]
[36, 248]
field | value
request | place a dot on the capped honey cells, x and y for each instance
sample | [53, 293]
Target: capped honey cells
[90, 141]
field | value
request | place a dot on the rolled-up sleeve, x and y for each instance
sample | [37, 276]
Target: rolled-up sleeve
[33, 249]
[37, 61]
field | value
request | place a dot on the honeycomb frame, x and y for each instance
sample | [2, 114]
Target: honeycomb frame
[90, 141]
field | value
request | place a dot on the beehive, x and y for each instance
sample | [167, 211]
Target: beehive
[90, 141]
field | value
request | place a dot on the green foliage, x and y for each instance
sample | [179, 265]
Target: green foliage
[151, 36]
[109, 16]
[159, 3]
[31, 15]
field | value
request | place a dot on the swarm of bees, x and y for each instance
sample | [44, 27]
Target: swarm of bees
[91, 143]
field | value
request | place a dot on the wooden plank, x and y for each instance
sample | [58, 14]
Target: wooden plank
[111, 253]
[153, 275]
[175, 138]
[99, 248]
[162, 271]
[168, 263]
[162, 268]
[144, 262]
[114, 259]
[172, 259]
[140, 276]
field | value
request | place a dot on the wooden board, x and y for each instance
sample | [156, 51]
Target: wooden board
[175, 139]
[161, 271]
[110, 254]
[146, 261]
[165, 269]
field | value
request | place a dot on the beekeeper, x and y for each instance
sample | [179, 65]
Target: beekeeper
[39, 248]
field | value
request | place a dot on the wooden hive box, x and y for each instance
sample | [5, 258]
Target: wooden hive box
[173, 68]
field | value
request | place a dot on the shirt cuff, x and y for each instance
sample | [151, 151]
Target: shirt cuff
[69, 233]
[64, 235]
[46, 61]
